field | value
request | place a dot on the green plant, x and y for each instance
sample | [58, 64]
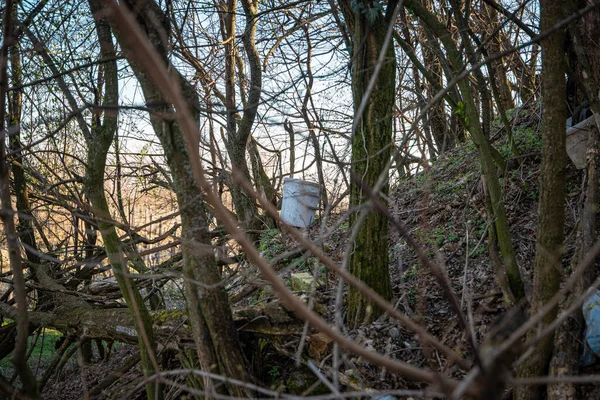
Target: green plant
[262, 344]
[42, 354]
[440, 236]
[572, 187]
[480, 225]
[274, 372]
[419, 179]
[412, 272]
[469, 148]
[528, 139]
[476, 252]
[301, 263]
[270, 243]
[459, 111]
[412, 297]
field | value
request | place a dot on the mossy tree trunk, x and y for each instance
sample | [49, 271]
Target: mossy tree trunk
[371, 150]
[211, 322]
[469, 115]
[99, 139]
[551, 210]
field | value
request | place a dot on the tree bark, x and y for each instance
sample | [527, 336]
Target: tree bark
[261, 179]
[99, 140]
[551, 211]
[216, 339]
[567, 343]
[238, 131]
[25, 228]
[172, 328]
[18, 357]
[371, 150]
[493, 47]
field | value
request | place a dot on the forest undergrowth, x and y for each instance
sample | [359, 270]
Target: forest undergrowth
[443, 208]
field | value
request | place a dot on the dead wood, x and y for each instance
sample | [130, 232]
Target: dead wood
[171, 328]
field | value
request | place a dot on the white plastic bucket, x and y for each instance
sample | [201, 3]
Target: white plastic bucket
[300, 201]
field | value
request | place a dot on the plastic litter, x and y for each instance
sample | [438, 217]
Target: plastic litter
[300, 202]
[591, 314]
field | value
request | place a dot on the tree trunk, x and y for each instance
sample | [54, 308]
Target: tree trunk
[25, 228]
[98, 145]
[567, 343]
[215, 336]
[238, 131]
[494, 47]
[437, 116]
[371, 150]
[18, 357]
[261, 180]
[99, 139]
[468, 114]
[551, 212]
[590, 41]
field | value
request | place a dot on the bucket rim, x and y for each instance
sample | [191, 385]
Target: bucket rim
[295, 180]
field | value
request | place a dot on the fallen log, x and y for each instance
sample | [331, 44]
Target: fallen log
[170, 326]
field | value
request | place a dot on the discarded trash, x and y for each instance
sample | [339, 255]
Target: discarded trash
[577, 138]
[302, 281]
[591, 314]
[300, 202]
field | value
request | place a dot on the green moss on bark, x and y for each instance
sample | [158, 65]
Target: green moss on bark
[371, 151]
